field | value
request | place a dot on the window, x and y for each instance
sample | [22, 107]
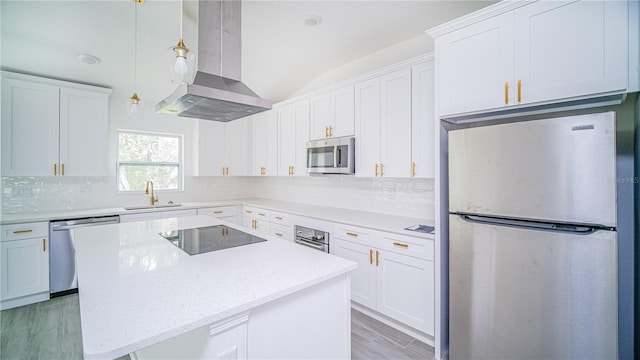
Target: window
[149, 156]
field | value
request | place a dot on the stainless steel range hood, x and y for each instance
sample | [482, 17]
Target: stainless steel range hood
[217, 93]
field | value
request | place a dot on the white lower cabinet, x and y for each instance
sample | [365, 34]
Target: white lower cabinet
[178, 213]
[227, 213]
[395, 274]
[257, 219]
[140, 217]
[24, 264]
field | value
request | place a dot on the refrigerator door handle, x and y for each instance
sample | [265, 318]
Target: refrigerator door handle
[533, 225]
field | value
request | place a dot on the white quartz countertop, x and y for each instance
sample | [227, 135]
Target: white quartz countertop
[378, 221]
[137, 289]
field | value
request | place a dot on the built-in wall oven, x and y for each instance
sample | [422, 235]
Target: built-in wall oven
[312, 238]
[63, 278]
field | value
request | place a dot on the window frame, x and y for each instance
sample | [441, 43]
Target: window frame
[179, 164]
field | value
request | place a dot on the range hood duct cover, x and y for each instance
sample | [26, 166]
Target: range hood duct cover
[217, 93]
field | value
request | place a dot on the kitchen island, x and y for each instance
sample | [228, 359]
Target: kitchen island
[142, 295]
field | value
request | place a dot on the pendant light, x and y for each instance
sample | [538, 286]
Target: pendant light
[135, 105]
[180, 59]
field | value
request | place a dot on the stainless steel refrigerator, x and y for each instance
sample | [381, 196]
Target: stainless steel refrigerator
[533, 243]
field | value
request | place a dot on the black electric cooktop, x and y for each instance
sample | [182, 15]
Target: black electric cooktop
[210, 238]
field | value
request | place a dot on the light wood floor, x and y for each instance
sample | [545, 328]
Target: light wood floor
[51, 330]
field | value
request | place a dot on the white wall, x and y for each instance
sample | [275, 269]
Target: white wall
[403, 197]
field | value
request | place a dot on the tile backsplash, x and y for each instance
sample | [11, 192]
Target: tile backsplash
[406, 197]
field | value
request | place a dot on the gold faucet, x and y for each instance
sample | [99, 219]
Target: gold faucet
[152, 200]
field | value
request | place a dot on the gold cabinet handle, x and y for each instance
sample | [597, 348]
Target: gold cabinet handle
[370, 257]
[377, 258]
[278, 234]
[44, 245]
[293, 170]
[254, 224]
[223, 171]
[218, 212]
[376, 170]
[261, 214]
[413, 169]
[279, 217]
[55, 169]
[22, 231]
[506, 93]
[400, 245]
[381, 169]
[62, 169]
[330, 131]
[326, 131]
[352, 234]
[248, 211]
[519, 90]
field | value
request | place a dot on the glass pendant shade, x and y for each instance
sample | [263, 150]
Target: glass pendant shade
[135, 107]
[182, 64]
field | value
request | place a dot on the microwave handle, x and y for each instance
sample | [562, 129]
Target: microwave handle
[336, 149]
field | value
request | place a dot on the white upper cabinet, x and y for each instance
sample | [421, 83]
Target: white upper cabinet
[293, 135]
[222, 149]
[265, 144]
[475, 66]
[422, 120]
[332, 113]
[383, 125]
[395, 121]
[83, 129]
[53, 128]
[568, 49]
[519, 53]
[209, 148]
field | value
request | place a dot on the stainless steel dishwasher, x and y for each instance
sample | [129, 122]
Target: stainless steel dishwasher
[63, 278]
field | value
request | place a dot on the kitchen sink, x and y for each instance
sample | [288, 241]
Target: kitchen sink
[152, 206]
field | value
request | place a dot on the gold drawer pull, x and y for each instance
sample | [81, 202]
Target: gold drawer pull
[278, 234]
[370, 257]
[55, 169]
[62, 169]
[218, 212]
[261, 214]
[381, 169]
[377, 258]
[22, 231]
[413, 169]
[44, 245]
[519, 90]
[400, 245]
[352, 234]
[248, 211]
[279, 217]
[376, 169]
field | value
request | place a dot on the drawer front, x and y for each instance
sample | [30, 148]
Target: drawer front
[24, 231]
[257, 213]
[218, 212]
[407, 245]
[178, 213]
[282, 231]
[282, 218]
[354, 234]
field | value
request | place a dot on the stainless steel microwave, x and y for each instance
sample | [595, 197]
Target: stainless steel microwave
[331, 156]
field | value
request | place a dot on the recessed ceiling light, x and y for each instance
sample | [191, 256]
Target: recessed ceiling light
[89, 59]
[312, 20]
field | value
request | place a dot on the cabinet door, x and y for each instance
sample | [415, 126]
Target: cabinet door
[363, 279]
[474, 64]
[209, 149]
[302, 138]
[319, 116]
[342, 107]
[367, 122]
[406, 290]
[259, 139]
[83, 132]
[571, 48]
[395, 124]
[422, 120]
[286, 139]
[30, 127]
[25, 267]
[272, 143]
[237, 147]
